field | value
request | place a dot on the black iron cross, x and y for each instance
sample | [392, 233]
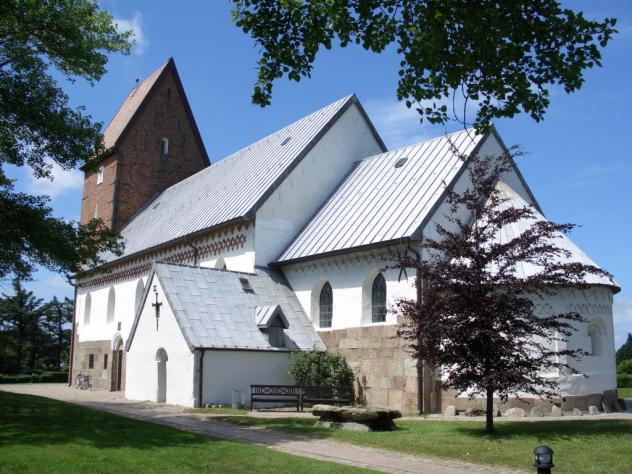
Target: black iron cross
[157, 306]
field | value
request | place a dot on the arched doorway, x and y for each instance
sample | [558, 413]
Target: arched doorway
[161, 385]
[117, 363]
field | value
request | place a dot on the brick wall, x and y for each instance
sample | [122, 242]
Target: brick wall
[137, 171]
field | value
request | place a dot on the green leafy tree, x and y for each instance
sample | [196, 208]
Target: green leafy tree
[318, 368]
[502, 55]
[70, 38]
[56, 325]
[625, 351]
[20, 317]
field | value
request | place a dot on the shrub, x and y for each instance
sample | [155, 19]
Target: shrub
[318, 368]
[44, 377]
[624, 380]
[625, 367]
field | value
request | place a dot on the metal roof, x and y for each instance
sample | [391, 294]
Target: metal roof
[214, 312]
[230, 189]
[515, 229]
[385, 197]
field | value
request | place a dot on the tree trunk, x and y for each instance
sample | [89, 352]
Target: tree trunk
[489, 416]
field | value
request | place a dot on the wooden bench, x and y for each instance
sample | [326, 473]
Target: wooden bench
[301, 394]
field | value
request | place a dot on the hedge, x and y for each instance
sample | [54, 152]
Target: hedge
[44, 377]
[624, 380]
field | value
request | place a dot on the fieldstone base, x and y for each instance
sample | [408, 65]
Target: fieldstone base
[102, 376]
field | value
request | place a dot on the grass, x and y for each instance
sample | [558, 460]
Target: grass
[220, 411]
[625, 393]
[42, 435]
[586, 446]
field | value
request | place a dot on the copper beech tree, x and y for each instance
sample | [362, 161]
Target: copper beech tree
[476, 323]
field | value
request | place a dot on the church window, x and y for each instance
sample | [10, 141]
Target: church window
[111, 305]
[168, 93]
[165, 147]
[96, 209]
[326, 306]
[594, 332]
[86, 309]
[105, 361]
[275, 334]
[140, 289]
[378, 299]
[91, 361]
[100, 174]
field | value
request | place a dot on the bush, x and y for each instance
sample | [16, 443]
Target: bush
[624, 380]
[44, 377]
[625, 367]
[318, 368]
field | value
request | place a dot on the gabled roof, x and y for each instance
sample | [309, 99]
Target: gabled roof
[233, 188]
[135, 102]
[214, 312]
[266, 315]
[515, 229]
[381, 202]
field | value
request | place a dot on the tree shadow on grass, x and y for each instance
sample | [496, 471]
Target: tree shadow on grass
[550, 430]
[37, 421]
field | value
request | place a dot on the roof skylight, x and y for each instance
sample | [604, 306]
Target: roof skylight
[401, 162]
[285, 141]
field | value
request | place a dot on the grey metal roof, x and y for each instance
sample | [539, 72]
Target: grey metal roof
[379, 202]
[230, 189]
[515, 229]
[213, 310]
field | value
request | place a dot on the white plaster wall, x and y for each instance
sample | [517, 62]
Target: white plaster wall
[240, 260]
[347, 275]
[225, 371]
[141, 369]
[124, 311]
[303, 192]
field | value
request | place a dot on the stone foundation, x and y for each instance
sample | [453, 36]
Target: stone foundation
[102, 379]
[581, 402]
[386, 376]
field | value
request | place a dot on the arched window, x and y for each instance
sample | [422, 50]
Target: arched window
[594, 331]
[111, 305]
[378, 299]
[326, 306]
[140, 289]
[86, 309]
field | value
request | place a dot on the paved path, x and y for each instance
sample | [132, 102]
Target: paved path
[178, 417]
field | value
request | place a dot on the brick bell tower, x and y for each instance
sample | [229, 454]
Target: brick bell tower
[151, 143]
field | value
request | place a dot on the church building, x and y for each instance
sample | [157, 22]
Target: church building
[230, 267]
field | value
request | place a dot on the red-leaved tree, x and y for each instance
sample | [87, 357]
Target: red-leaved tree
[476, 323]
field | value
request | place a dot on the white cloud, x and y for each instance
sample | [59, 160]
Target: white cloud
[63, 181]
[397, 124]
[136, 25]
[622, 315]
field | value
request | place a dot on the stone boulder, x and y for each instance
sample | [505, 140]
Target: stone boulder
[577, 412]
[557, 411]
[593, 410]
[356, 418]
[450, 411]
[536, 412]
[515, 412]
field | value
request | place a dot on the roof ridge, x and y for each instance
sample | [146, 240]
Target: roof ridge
[174, 264]
[440, 137]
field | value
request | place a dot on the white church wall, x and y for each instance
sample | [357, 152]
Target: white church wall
[141, 380]
[300, 195]
[240, 259]
[98, 328]
[225, 371]
[351, 277]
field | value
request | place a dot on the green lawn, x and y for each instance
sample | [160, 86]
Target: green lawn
[42, 435]
[625, 393]
[590, 446]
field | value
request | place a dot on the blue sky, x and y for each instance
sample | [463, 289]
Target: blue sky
[579, 165]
